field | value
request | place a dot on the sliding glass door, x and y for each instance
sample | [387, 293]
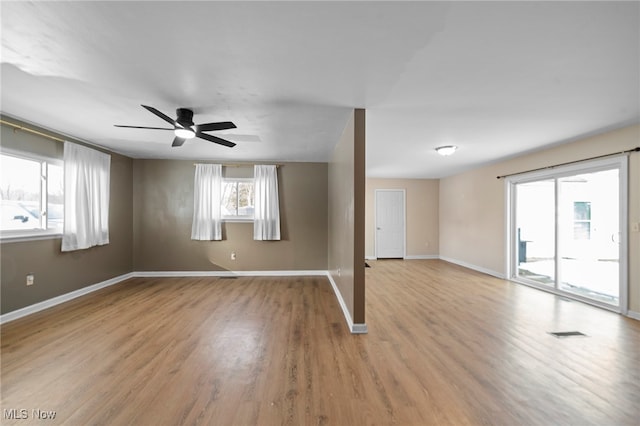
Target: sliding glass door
[567, 232]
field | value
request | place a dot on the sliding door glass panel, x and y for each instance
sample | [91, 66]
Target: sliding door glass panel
[589, 235]
[535, 231]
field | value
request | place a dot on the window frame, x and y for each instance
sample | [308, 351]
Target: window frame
[237, 218]
[43, 232]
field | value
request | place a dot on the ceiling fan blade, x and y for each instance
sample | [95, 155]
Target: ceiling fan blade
[223, 125]
[215, 139]
[178, 141]
[161, 115]
[141, 127]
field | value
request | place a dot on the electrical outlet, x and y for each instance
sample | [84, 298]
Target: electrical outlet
[30, 279]
[635, 226]
[233, 255]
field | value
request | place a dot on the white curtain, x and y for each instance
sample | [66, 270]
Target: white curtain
[207, 216]
[86, 197]
[266, 220]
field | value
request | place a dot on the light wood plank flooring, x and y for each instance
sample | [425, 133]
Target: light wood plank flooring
[446, 346]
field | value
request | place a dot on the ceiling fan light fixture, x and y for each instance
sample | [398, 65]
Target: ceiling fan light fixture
[185, 133]
[446, 150]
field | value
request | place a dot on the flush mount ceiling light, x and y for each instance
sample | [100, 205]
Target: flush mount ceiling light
[185, 133]
[446, 150]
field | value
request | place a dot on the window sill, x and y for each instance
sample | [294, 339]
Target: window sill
[19, 237]
[237, 220]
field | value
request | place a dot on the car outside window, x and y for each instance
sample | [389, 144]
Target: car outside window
[31, 196]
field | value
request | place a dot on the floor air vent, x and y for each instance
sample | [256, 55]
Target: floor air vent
[563, 334]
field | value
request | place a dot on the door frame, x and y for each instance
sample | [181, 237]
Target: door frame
[404, 220]
[621, 162]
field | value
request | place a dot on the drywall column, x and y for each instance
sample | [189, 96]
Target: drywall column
[359, 193]
[346, 220]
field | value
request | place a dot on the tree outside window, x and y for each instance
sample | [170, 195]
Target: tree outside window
[237, 199]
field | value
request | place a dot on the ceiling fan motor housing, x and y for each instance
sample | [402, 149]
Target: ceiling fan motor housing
[185, 117]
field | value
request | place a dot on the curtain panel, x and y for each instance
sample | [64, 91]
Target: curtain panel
[266, 220]
[86, 197]
[207, 216]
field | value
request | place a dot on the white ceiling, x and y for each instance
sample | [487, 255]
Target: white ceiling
[494, 78]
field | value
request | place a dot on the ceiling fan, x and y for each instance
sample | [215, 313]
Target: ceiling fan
[184, 128]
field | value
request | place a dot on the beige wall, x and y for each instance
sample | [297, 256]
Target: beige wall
[57, 273]
[346, 215]
[472, 204]
[163, 209]
[421, 200]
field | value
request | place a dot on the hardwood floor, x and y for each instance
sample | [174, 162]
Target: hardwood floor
[445, 346]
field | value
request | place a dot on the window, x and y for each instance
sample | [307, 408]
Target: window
[31, 196]
[237, 199]
[581, 220]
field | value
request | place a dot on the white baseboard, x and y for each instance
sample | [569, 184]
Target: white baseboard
[160, 274]
[422, 257]
[633, 314]
[354, 328]
[45, 304]
[410, 257]
[359, 329]
[474, 267]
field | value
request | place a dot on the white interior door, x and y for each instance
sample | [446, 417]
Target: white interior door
[390, 223]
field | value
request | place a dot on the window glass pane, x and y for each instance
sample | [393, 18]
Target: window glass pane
[229, 199]
[581, 230]
[245, 198]
[20, 190]
[535, 221]
[55, 197]
[237, 199]
[581, 210]
[588, 232]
